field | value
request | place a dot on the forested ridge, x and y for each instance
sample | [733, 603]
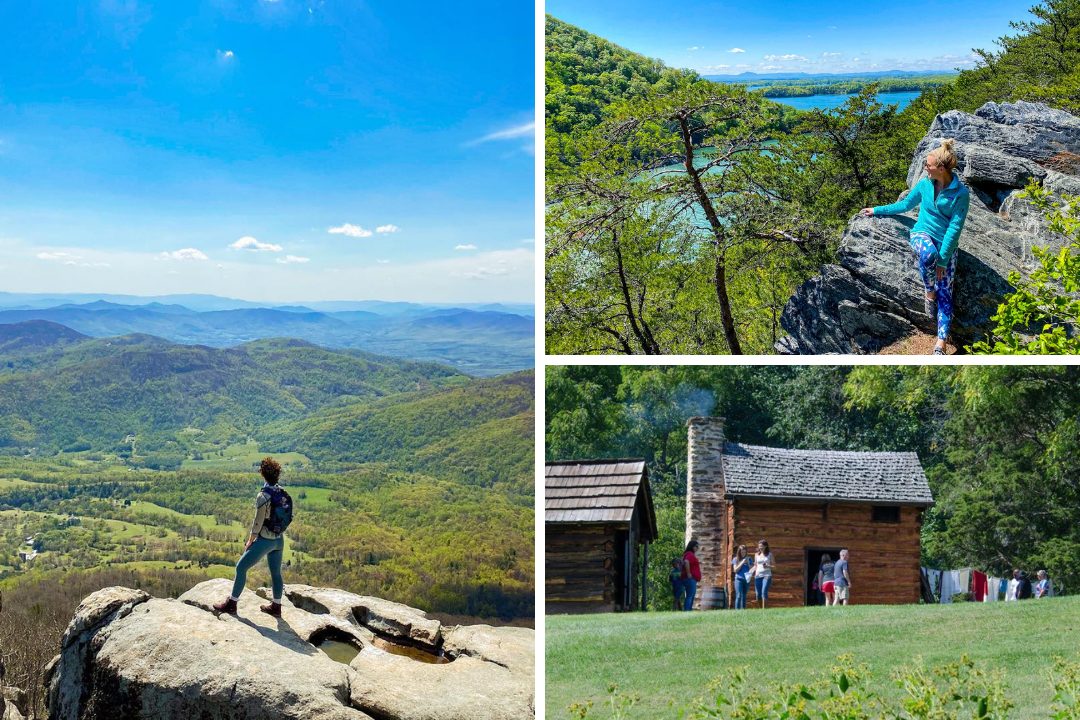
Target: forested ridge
[412, 481]
[1000, 444]
[682, 213]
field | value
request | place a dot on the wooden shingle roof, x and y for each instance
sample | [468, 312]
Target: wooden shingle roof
[894, 478]
[598, 491]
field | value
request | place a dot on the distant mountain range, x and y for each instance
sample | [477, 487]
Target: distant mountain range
[479, 340]
[750, 77]
[203, 303]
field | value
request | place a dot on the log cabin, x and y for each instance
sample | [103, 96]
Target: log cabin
[598, 523]
[805, 503]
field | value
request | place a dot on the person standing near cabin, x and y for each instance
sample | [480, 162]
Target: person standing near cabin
[273, 513]
[841, 579]
[1044, 588]
[677, 588]
[740, 564]
[691, 574]
[825, 578]
[763, 571]
[943, 205]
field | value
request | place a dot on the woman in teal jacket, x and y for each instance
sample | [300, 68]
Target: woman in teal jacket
[943, 205]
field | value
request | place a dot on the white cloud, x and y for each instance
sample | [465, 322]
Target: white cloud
[510, 133]
[482, 273]
[225, 55]
[383, 262]
[289, 259]
[528, 241]
[710, 68]
[786, 58]
[185, 254]
[468, 246]
[693, 49]
[736, 50]
[349, 230]
[249, 243]
[831, 54]
[387, 229]
[58, 257]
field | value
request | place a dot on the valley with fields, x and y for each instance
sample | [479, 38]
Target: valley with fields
[136, 457]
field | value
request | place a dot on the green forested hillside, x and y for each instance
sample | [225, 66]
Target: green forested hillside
[178, 400]
[479, 434]
[412, 481]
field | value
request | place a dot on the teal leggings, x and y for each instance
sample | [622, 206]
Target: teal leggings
[272, 549]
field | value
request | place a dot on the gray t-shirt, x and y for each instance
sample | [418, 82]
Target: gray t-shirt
[838, 573]
[827, 571]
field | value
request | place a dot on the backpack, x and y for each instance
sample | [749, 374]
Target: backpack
[281, 509]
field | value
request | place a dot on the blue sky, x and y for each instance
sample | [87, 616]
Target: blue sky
[727, 38]
[271, 150]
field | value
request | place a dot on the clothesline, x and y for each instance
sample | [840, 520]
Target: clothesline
[944, 584]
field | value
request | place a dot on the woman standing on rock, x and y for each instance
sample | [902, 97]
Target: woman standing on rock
[273, 513]
[943, 205]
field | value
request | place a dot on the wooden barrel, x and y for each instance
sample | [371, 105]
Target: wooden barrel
[714, 597]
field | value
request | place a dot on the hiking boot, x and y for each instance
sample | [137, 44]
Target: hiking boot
[273, 609]
[228, 605]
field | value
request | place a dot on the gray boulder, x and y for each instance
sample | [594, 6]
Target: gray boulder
[128, 655]
[872, 297]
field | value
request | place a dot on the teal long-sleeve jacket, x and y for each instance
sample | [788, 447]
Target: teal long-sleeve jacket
[942, 219]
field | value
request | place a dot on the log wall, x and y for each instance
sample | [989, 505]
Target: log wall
[579, 568]
[883, 561]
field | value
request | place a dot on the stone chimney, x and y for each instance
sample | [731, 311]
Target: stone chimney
[706, 510]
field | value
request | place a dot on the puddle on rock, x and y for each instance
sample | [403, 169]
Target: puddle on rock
[343, 652]
[410, 652]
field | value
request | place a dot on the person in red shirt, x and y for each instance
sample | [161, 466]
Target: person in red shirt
[691, 573]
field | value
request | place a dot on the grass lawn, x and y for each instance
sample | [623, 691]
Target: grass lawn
[669, 658]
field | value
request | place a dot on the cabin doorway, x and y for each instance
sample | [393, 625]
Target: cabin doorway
[813, 564]
[622, 574]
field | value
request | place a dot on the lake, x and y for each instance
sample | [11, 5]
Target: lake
[829, 102]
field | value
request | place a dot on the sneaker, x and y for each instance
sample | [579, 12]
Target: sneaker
[939, 351]
[228, 605]
[273, 609]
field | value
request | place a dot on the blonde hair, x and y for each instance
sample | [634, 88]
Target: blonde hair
[944, 155]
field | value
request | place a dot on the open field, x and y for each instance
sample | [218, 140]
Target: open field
[668, 659]
[241, 456]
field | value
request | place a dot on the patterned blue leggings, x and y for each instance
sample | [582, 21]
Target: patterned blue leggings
[927, 253]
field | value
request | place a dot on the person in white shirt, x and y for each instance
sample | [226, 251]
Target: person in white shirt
[762, 571]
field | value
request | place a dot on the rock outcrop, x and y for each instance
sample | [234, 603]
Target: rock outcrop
[873, 296]
[8, 698]
[128, 655]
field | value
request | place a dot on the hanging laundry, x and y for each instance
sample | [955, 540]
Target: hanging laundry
[934, 578]
[965, 580]
[978, 586]
[993, 586]
[950, 585]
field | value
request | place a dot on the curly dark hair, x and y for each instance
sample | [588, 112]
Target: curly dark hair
[270, 469]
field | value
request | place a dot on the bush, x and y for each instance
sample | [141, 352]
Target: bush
[955, 690]
[1042, 316]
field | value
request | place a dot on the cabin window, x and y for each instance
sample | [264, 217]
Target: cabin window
[885, 514]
